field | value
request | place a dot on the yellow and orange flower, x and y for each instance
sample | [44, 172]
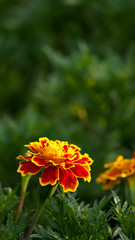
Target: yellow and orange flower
[61, 162]
[119, 169]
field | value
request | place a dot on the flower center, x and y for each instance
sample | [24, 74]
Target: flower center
[54, 152]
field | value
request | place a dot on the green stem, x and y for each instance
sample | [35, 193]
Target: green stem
[130, 189]
[24, 185]
[131, 184]
[44, 193]
[35, 218]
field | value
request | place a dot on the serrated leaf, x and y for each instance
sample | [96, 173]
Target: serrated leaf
[123, 236]
[10, 225]
[117, 201]
[116, 232]
[125, 205]
[36, 236]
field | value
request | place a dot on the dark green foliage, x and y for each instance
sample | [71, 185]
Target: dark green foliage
[125, 219]
[72, 220]
[65, 217]
[69, 219]
[11, 231]
[8, 202]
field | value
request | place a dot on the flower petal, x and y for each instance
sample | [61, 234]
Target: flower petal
[27, 158]
[76, 148]
[114, 173]
[28, 167]
[84, 161]
[67, 180]
[82, 172]
[35, 147]
[49, 175]
[40, 161]
[110, 184]
[68, 164]
[43, 141]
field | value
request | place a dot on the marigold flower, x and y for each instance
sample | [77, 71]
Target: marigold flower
[61, 162]
[119, 169]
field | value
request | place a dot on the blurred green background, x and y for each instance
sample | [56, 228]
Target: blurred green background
[67, 71]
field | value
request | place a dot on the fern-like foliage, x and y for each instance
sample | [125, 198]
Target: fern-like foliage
[11, 231]
[71, 220]
[8, 201]
[124, 216]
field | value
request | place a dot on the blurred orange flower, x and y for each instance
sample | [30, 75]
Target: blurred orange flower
[60, 162]
[119, 169]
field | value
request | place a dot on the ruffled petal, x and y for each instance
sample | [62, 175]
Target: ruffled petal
[26, 158]
[67, 180]
[84, 161]
[43, 141]
[35, 147]
[110, 184]
[28, 167]
[74, 147]
[40, 161]
[81, 172]
[50, 175]
[113, 173]
[68, 165]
